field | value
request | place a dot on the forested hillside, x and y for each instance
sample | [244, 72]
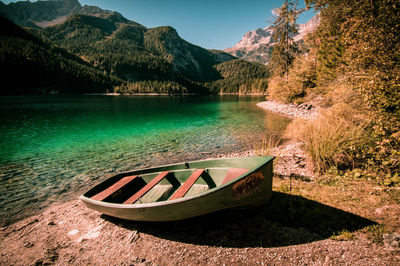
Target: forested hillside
[239, 76]
[30, 65]
[136, 54]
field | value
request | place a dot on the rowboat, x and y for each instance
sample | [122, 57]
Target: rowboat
[180, 191]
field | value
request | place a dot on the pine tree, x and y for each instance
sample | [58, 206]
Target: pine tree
[285, 49]
[328, 41]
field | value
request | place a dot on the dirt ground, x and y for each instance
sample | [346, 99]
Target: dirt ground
[307, 221]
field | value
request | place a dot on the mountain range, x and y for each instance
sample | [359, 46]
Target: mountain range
[102, 47]
[42, 14]
[256, 45]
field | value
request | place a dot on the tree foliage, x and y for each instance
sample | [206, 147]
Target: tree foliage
[372, 56]
[239, 76]
[357, 47]
[285, 48]
[299, 81]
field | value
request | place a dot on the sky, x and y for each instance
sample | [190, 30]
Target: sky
[212, 24]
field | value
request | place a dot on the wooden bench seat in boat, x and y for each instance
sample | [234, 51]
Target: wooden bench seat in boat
[114, 188]
[146, 188]
[184, 188]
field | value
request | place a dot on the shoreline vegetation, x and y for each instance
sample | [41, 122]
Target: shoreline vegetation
[357, 131]
[324, 220]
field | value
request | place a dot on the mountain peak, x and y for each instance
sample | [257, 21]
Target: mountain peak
[256, 45]
[256, 38]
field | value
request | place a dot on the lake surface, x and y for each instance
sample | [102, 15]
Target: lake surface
[54, 148]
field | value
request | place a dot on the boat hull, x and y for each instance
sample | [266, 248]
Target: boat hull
[250, 189]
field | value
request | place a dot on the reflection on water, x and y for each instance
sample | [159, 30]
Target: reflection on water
[53, 148]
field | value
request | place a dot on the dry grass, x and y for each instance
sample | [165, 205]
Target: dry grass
[335, 139]
[343, 235]
[267, 143]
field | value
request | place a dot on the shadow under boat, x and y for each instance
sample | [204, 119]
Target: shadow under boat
[284, 220]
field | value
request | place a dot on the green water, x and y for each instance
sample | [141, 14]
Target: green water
[54, 148]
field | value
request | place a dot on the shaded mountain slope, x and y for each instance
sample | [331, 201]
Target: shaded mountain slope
[31, 65]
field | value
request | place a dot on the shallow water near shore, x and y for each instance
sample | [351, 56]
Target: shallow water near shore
[55, 147]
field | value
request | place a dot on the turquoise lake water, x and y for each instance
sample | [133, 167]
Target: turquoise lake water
[54, 148]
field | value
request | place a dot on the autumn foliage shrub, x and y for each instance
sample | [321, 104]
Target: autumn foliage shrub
[294, 86]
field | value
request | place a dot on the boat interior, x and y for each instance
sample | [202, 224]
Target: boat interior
[138, 188]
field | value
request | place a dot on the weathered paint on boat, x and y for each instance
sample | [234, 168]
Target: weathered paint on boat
[211, 192]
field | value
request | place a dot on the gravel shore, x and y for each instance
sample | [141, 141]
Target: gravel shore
[70, 233]
[291, 159]
[306, 111]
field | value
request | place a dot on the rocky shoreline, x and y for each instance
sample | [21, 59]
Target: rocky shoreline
[305, 110]
[290, 160]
